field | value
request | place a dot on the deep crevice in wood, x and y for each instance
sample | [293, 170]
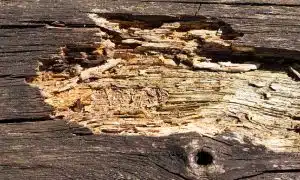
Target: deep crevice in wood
[20, 26]
[270, 172]
[127, 20]
[22, 120]
[60, 24]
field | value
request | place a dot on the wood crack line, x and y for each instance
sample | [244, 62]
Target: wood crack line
[270, 171]
[228, 3]
[54, 24]
[176, 174]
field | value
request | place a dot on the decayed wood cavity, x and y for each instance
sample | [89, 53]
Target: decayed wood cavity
[149, 75]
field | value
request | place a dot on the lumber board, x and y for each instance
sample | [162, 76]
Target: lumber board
[34, 147]
[57, 150]
[20, 52]
[269, 24]
[245, 2]
[261, 19]
[19, 101]
[29, 36]
[22, 48]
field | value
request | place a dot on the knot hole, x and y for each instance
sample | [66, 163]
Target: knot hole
[204, 158]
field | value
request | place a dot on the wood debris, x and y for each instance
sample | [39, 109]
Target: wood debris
[295, 72]
[96, 72]
[157, 80]
[226, 66]
[258, 84]
[70, 84]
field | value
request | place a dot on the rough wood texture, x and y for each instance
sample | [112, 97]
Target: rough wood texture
[20, 51]
[33, 31]
[267, 24]
[161, 86]
[260, 21]
[19, 101]
[56, 150]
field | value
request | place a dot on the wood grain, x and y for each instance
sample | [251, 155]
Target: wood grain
[33, 147]
[56, 150]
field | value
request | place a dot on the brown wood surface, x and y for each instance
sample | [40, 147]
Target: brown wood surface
[25, 38]
[56, 150]
[33, 31]
[267, 24]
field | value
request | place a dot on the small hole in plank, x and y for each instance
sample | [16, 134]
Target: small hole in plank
[204, 158]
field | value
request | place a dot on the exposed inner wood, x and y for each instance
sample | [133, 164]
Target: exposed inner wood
[149, 78]
[264, 42]
[261, 21]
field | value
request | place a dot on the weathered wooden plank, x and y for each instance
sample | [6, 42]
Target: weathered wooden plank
[251, 19]
[261, 22]
[241, 2]
[152, 93]
[257, 102]
[73, 11]
[27, 35]
[21, 49]
[56, 150]
[19, 101]
[48, 37]
[13, 12]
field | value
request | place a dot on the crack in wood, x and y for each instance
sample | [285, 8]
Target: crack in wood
[20, 26]
[234, 3]
[271, 172]
[164, 156]
[171, 93]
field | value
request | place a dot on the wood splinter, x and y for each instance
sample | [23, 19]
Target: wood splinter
[97, 71]
[71, 84]
[226, 66]
[295, 72]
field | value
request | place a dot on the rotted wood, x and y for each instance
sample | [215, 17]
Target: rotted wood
[153, 77]
[57, 150]
[56, 61]
[261, 22]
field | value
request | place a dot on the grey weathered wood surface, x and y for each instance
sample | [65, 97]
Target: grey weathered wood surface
[53, 150]
[25, 38]
[267, 24]
[56, 150]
